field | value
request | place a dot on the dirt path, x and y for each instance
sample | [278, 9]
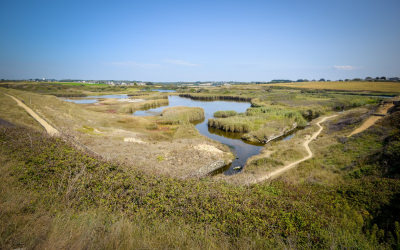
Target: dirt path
[49, 129]
[372, 119]
[293, 164]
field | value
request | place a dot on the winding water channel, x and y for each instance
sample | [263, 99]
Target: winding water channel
[242, 149]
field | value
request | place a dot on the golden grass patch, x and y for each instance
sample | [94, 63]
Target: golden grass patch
[391, 87]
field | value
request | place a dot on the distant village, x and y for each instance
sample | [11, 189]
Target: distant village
[202, 84]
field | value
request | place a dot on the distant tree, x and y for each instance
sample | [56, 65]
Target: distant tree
[383, 78]
[322, 80]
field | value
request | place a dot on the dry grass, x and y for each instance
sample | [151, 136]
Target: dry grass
[10, 111]
[388, 87]
[224, 114]
[176, 115]
[261, 124]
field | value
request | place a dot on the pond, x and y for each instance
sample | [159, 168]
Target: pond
[95, 98]
[242, 149]
[164, 90]
[81, 101]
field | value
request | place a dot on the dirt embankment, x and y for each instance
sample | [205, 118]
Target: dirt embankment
[381, 112]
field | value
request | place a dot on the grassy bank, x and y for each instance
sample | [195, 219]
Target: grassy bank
[74, 200]
[115, 106]
[261, 124]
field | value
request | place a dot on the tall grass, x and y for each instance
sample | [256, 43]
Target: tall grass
[231, 124]
[176, 115]
[148, 104]
[210, 97]
[224, 114]
[262, 124]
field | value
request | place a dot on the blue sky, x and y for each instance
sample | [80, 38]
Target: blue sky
[199, 40]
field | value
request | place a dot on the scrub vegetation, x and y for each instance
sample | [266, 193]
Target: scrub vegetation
[261, 124]
[129, 191]
[69, 199]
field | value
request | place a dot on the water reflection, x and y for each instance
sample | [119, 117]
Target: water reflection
[242, 149]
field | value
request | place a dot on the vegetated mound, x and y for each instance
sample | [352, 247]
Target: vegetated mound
[210, 97]
[180, 114]
[261, 124]
[224, 114]
[116, 106]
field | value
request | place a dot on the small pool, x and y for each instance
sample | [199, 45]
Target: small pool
[288, 137]
[121, 96]
[81, 101]
[164, 90]
[95, 98]
[242, 149]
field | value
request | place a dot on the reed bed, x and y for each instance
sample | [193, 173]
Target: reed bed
[224, 114]
[261, 124]
[237, 124]
[180, 115]
[148, 104]
[216, 97]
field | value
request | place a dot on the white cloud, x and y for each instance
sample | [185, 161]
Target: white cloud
[344, 67]
[180, 62]
[135, 64]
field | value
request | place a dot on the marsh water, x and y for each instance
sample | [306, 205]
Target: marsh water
[95, 98]
[242, 149]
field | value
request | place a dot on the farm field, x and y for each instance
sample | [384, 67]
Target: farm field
[384, 87]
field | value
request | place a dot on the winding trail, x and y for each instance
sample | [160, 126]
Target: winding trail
[49, 129]
[293, 164]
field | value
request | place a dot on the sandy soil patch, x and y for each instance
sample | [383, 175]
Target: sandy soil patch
[382, 110]
[208, 148]
[131, 100]
[134, 140]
